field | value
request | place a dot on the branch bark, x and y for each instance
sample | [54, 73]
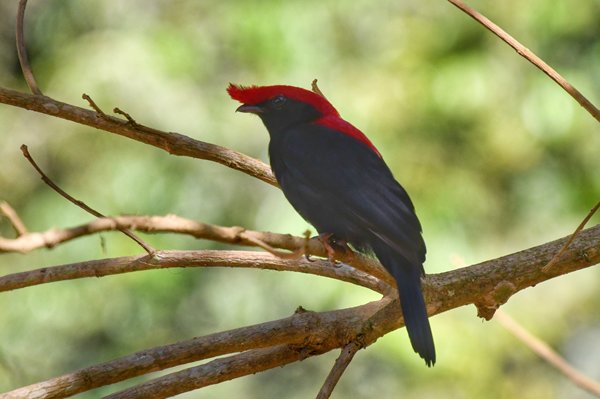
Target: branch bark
[327, 330]
[214, 372]
[173, 143]
[203, 258]
[175, 224]
[488, 285]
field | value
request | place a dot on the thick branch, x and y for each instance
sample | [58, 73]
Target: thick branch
[491, 283]
[327, 330]
[173, 143]
[487, 284]
[214, 372]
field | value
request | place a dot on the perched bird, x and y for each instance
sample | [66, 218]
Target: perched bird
[337, 180]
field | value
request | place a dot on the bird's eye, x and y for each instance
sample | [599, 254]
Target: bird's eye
[278, 102]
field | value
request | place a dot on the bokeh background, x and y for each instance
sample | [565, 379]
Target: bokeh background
[496, 157]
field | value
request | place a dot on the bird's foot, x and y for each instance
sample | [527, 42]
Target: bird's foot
[335, 246]
[326, 240]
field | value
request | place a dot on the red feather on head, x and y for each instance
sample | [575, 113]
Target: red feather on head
[253, 95]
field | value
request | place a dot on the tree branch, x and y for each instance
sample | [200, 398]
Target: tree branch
[544, 351]
[202, 258]
[214, 372]
[488, 285]
[14, 220]
[173, 143]
[338, 369]
[22, 50]
[570, 240]
[175, 224]
[531, 57]
[79, 203]
[328, 330]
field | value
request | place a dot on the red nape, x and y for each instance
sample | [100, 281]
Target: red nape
[337, 123]
[252, 95]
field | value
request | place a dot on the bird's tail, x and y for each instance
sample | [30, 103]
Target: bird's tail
[408, 279]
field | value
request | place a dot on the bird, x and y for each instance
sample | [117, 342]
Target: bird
[338, 181]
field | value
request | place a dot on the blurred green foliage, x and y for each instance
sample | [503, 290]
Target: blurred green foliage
[496, 157]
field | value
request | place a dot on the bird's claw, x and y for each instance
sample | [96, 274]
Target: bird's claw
[324, 238]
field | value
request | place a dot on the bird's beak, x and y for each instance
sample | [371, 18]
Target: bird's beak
[252, 109]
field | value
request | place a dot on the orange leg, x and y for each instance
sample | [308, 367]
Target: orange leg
[332, 244]
[325, 238]
[344, 246]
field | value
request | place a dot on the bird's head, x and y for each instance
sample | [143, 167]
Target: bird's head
[281, 106]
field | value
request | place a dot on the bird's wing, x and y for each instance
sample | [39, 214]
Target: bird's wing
[331, 165]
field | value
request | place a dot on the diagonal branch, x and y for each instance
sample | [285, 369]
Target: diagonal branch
[173, 143]
[14, 219]
[215, 372]
[570, 240]
[338, 369]
[328, 329]
[81, 204]
[548, 354]
[530, 56]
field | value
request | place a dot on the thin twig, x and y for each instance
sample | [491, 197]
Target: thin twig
[81, 204]
[548, 354]
[530, 56]
[22, 50]
[315, 88]
[93, 105]
[14, 219]
[296, 254]
[338, 369]
[119, 111]
[556, 257]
